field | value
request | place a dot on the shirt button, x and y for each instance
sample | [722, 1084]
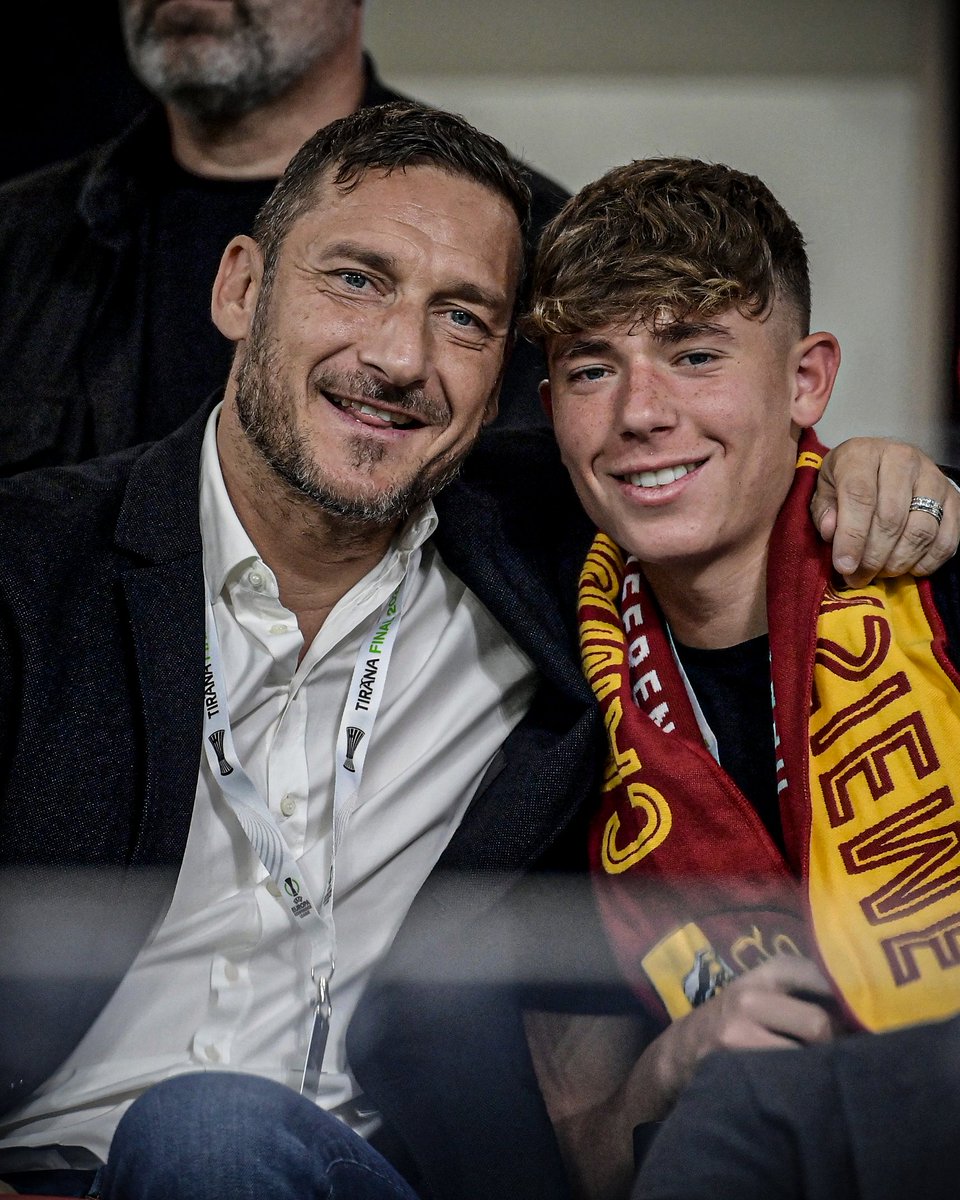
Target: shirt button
[256, 581]
[231, 972]
[212, 1053]
[288, 806]
[279, 629]
[272, 887]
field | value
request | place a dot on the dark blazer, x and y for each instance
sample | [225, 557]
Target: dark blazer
[101, 678]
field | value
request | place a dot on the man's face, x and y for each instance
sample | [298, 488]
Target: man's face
[681, 444]
[377, 349]
[222, 58]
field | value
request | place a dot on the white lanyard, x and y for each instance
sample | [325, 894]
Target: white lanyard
[258, 822]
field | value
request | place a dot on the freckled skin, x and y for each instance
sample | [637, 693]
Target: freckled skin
[727, 401]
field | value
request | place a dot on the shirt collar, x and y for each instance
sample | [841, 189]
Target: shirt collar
[227, 548]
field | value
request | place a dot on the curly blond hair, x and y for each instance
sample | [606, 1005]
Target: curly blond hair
[661, 239]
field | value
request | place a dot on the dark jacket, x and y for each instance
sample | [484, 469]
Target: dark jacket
[73, 249]
[872, 1116]
[101, 687]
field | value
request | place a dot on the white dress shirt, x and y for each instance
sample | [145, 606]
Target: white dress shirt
[225, 980]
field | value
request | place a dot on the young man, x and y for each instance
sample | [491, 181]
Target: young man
[775, 845]
[105, 331]
[262, 695]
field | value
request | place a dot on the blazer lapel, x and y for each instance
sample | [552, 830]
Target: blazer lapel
[159, 529]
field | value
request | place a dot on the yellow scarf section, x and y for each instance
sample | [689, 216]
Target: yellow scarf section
[885, 834]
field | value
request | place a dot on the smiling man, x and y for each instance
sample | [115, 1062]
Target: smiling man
[774, 849]
[305, 615]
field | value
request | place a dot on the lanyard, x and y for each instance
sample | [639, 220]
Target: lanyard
[258, 822]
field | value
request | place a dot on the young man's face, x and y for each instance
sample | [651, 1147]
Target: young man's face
[682, 444]
[376, 353]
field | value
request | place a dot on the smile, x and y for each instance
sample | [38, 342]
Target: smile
[362, 408]
[665, 475]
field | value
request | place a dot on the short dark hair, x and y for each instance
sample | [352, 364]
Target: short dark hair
[390, 137]
[662, 238]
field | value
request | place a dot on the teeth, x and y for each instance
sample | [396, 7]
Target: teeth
[647, 479]
[380, 413]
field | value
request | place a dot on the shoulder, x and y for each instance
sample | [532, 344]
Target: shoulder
[35, 209]
[92, 190]
[521, 472]
[61, 507]
[548, 198]
[143, 499]
[514, 502]
[59, 178]
[945, 589]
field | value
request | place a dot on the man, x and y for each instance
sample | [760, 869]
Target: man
[105, 331]
[769, 875]
[395, 676]
[372, 315]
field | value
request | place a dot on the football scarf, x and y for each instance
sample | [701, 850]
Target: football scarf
[866, 721]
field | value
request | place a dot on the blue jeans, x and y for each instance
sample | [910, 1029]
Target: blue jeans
[227, 1136]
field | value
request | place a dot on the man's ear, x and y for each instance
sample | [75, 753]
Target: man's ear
[236, 288]
[546, 399]
[816, 360]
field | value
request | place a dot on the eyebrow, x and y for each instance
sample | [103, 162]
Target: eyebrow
[675, 332]
[374, 259]
[466, 290]
[584, 347]
[683, 331]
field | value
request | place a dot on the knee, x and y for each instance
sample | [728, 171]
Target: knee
[194, 1107]
[200, 1134]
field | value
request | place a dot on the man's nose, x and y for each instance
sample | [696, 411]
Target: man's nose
[396, 344]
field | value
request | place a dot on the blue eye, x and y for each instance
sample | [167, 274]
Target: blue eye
[355, 279]
[698, 358]
[460, 317]
[590, 374]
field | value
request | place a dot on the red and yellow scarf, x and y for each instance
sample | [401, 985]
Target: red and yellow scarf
[692, 887]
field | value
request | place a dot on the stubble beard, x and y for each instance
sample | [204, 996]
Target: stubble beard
[227, 72]
[266, 416]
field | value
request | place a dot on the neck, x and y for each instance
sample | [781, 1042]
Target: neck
[260, 143]
[316, 557]
[711, 607]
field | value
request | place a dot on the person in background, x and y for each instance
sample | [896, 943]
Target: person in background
[774, 847]
[105, 331]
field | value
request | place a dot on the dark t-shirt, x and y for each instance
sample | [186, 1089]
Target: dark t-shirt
[732, 686]
[186, 356]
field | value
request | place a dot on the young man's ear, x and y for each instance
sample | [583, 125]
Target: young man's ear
[817, 359]
[236, 288]
[546, 399]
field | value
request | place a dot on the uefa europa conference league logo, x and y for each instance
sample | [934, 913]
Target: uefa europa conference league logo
[354, 738]
[216, 741]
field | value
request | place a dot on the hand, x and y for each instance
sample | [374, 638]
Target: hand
[862, 501]
[785, 1002]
